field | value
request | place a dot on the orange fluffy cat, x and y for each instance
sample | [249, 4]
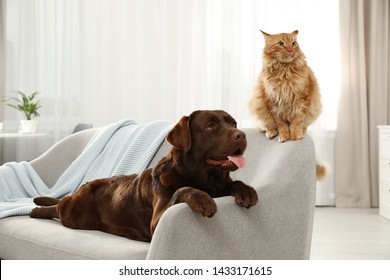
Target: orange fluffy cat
[286, 99]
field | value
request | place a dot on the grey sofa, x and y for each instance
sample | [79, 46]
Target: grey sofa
[279, 227]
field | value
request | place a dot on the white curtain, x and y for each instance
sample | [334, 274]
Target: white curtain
[100, 61]
[2, 64]
[364, 102]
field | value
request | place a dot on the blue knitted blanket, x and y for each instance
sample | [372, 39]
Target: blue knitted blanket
[121, 148]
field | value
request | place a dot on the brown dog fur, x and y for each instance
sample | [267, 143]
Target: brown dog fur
[196, 170]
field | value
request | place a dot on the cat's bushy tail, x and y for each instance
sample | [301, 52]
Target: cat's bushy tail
[321, 168]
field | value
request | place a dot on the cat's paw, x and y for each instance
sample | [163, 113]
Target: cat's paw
[296, 135]
[283, 137]
[271, 133]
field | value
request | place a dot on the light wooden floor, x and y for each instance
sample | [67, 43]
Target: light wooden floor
[350, 234]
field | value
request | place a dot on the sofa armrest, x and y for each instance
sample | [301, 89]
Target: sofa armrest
[279, 227]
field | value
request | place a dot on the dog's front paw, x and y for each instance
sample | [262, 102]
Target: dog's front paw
[245, 196]
[202, 203]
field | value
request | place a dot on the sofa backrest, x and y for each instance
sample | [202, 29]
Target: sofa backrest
[51, 164]
[162, 152]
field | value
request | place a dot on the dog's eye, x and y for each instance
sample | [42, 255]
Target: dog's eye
[234, 123]
[211, 126]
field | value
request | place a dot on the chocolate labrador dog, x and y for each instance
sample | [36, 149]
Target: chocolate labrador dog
[206, 146]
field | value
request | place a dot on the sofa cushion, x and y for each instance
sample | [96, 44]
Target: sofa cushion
[26, 238]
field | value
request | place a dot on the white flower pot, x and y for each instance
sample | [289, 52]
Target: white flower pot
[28, 126]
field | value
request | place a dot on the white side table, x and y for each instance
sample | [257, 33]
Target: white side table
[23, 146]
[384, 171]
[22, 135]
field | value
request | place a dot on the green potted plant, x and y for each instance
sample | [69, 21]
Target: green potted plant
[28, 105]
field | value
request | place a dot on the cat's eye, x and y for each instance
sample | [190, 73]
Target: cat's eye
[295, 43]
[281, 44]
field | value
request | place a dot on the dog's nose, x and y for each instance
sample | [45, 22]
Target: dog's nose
[239, 135]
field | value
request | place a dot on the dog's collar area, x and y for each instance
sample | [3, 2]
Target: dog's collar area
[237, 160]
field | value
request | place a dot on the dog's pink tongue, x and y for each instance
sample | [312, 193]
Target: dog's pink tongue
[237, 160]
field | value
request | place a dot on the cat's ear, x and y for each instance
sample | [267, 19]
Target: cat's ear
[266, 35]
[295, 32]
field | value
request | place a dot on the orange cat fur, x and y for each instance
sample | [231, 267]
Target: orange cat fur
[286, 99]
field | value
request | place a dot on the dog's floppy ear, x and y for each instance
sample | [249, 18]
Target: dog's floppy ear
[180, 135]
